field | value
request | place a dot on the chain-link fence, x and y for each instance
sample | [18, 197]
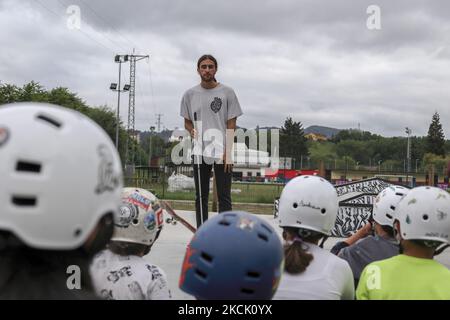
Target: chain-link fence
[176, 183]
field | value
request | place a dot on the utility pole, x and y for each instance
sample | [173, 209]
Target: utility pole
[114, 87]
[152, 129]
[130, 150]
[408, 154]
[158, 121]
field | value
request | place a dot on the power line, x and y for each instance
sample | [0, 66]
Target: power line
[151, 85]
[65, 5]
[108, 24]
[87, 35]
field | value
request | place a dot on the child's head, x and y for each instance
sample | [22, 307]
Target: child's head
[138, 223]
[423, 217]
[61, 178]
[384, 207]
[234, 255]
[310, 203]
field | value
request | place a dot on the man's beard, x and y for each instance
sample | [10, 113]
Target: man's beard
[209, 79]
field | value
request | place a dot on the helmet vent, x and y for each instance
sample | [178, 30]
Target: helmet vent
[200, 273]
[263, 237]
[206, 257]
[224, 223]
[49, 121]
[23, 166]
[389, 216]
[295, 205]
[392, 207]
[425, 217]
[266, 227]
[253, 274]
[399, 194]
[24, 201]
[323, 211]
[247, 291]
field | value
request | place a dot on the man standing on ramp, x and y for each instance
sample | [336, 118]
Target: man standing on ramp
[210, 109]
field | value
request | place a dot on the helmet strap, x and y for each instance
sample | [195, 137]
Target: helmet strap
[440, 249]
[325, 238]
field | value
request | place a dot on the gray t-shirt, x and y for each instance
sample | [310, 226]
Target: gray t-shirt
[368, 250]
[214, 107]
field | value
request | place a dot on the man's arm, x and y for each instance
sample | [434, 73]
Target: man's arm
[229, 140]
[189, 126]
[231, 124]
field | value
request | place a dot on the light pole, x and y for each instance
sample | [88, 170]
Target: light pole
[152, 128]
[379, 166]
[114, 87]
[408, 154]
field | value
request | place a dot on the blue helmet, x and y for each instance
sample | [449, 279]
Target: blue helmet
[233, 256]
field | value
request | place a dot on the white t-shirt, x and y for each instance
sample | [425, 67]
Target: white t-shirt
[116, 277]
[326, 278]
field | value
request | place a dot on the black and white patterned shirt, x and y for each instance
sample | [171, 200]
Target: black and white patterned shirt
[118, 277]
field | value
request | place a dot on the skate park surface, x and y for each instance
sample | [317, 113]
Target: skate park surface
[168, 251]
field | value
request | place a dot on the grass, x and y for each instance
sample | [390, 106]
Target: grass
[249, 192]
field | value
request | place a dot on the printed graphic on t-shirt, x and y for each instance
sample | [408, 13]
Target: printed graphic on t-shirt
[157, 276]
[115, 276]
[216, 104]
[136, 291]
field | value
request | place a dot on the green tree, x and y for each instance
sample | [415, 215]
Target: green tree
[292, 140]
[353, 134]
[158, 146]
[102, 115]
[33, 91]
[435, 138]
[9, 93]
[63, 97]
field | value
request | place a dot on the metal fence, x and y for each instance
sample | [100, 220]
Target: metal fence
[157, 180]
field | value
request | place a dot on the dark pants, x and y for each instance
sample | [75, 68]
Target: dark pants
[223, 181]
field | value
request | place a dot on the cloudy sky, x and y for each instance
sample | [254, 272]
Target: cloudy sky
[316, 61]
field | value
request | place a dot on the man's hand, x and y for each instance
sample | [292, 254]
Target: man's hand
[227, 167]
[193, 134]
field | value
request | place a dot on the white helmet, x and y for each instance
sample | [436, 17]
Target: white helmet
[386, 202]
[60, 174]
[309, 202]
[140, 218]
[424, 214]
